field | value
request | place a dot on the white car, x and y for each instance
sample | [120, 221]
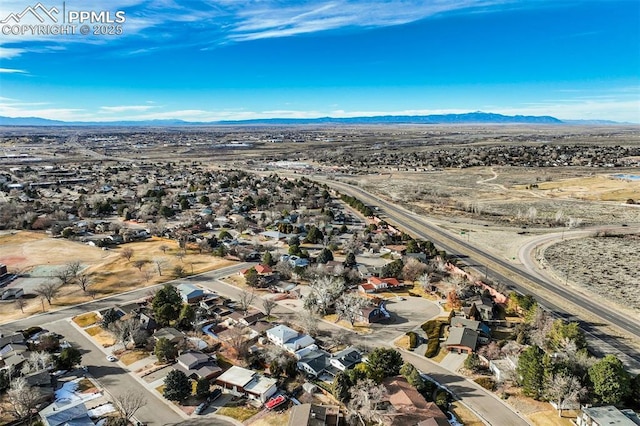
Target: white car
[111, 358]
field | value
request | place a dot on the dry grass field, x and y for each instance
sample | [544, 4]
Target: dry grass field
[110, 273]
[606, 266]
[503, 195]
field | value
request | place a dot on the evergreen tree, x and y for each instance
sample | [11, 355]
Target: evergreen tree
[325, 256]
[610, 382]
[68, 358]
[176, 386]
[530, 371]
[383, 362]
[202, 387]
[341, 385]
[166, 304]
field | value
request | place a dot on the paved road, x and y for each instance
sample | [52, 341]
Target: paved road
[107, 302]
[114, 378]
[515, 277]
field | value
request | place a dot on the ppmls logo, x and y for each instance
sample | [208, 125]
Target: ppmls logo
[33, 11]
[41, 20]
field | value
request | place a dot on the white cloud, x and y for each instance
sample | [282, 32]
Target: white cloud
[125, 108]
[11, 71]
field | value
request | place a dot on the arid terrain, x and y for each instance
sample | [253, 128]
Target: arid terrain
[607, 266]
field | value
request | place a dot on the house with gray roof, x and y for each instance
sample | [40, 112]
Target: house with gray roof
[461, 339]
[190, 293]
[198, 365]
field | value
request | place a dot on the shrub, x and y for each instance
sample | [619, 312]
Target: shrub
[413, 339]
[486, 382]
[433, 328]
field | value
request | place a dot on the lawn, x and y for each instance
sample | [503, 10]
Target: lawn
[402, 342]
[239, 413]
[85, 320]
[464, 415]
[160, 389]
[440, 356]
[101, 336]
[273, 419]
[86, 386]
[130, 357]
[92, 331]
[358, 327]
[549, 418]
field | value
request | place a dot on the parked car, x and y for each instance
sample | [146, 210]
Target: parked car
[200, 408]
[215, 394]
[111, 358]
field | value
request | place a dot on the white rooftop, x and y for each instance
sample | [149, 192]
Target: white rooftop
[237, 376]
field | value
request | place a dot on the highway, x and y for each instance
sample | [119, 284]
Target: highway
[561, 300]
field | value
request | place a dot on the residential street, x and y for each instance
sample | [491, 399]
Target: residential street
[408, 314]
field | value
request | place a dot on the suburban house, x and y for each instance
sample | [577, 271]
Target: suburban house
[461, 339]
[371, 314]
[484, 332]
[247, 319]
[190, 293]
[375, 284]
[249, 383]
[480, 308]
[170, 333]
[315, 415]
[410, 408]
[315, 362]
[607, 415]
[197, 365]
[289, 339]
[346, 358]
[74, 414]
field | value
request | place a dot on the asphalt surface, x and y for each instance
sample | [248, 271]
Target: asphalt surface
[476, 257]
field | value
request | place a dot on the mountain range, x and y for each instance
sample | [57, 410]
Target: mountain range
[467, 118]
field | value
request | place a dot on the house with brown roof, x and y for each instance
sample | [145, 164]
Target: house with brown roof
[461, 339]
[316, 415]
[410, 407]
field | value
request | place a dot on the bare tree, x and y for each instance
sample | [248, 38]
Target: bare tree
[139, 264]
[353, 245]
[268, 305]
[164, 248]
[48, 291]
[308, 320]
[160, 263]
[127, 253]
[349, 307]
[245, 300]
[412, 269]
[340, 337]
[129, 403]
[124, 331]
[147, 274]
[84, 281]
[563, 388]
[324, 291]
[180, 254]
[20, 304]
[74, 268]
[23, 399]
[238, 340]
[204, 246]
[64, 275]
[365, 397]
[38, 360]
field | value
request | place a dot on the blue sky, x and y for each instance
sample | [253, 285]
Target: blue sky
[237, 59]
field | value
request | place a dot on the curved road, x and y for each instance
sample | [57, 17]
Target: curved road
[515, 277]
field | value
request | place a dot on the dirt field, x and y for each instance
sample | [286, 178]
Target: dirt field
[31, 252]
[606, 266]
[504, 195]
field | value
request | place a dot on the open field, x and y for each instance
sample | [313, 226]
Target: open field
[606, 266]
[109, 272]
[506, 195]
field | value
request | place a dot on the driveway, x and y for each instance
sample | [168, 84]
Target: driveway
[453, 361]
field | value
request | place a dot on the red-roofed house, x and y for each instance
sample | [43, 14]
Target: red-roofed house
[374, 284]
